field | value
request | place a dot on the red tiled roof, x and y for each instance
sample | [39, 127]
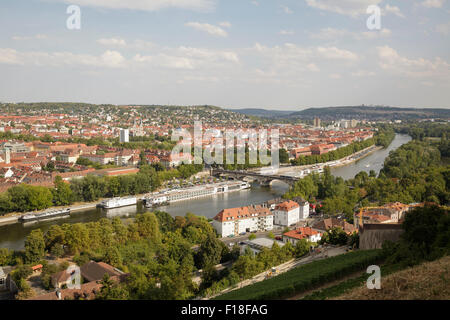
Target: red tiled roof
[287, 206]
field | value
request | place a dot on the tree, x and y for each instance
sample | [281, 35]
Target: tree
[284, 156]
[5, 257]
[57, 250]
[34, 246]
[301, 248]
[210, 252]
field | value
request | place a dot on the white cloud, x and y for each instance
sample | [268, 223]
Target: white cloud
[209, 28]
[335, 76]
[390, 60]
[363, 73]
[433, 3]
[109, 59]
[188, 58]
[115, 42]
[256, 3]
[9, 56]
[146, 5]
[225, 24]
[393, 10]
[335, 34]
[166, 61]
[37, 37]
[286, 32]
[346, 7]
[287, 10]
[336, 53]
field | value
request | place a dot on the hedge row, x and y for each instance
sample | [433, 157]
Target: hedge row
[306, 277]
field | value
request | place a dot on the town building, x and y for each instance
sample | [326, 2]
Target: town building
[330, 223]
[234, 221]
[317, 122]
[259, 244]
[287, 213]
[124, 135]
[304, 208]
[306, 233]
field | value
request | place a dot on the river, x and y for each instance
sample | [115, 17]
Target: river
[12, 236]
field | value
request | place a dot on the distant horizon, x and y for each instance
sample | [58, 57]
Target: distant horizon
[274, 108]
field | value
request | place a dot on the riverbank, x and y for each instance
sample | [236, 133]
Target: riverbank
[335, 163]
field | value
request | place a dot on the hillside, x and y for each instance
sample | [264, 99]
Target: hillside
[371, 113]
[428, 281]
[263, 113]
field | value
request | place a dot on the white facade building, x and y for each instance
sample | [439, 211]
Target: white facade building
[287, 213]
[124, 135]
[234, 221]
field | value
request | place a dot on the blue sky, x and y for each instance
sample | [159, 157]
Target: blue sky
[279, 54]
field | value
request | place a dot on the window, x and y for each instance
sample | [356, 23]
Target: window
[2, 281]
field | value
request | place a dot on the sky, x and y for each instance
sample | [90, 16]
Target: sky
[273, 54]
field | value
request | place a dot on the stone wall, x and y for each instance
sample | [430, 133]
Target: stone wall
[372, 236]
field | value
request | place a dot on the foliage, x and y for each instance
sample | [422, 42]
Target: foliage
[34, 246]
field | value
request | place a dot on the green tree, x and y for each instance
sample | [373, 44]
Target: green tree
[34, 246]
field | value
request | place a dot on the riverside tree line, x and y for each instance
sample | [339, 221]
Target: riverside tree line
[23, 197]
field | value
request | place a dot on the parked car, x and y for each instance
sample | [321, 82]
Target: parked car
[278, 238]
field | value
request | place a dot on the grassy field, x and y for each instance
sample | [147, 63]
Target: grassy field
[347, 285]
[427, 281]
[306, 277]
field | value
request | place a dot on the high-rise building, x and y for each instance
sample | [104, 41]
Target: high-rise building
[317, 122]
[124, 135]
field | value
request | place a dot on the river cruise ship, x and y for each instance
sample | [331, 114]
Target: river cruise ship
[167, 197]
[50, 214]
[118, 202]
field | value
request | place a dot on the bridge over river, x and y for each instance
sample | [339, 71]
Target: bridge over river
[263, 179]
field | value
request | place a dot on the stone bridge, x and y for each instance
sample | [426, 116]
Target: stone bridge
[263, 179]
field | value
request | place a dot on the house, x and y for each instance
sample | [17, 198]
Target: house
[62, 279]
[87, 291]
[234, 221]
[257, 245]
[174, 160]
[330, 223]
[286, 213]
[298, 234]
[304, 208]
[94, 271]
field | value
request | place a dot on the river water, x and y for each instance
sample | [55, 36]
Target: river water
[12, 236]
